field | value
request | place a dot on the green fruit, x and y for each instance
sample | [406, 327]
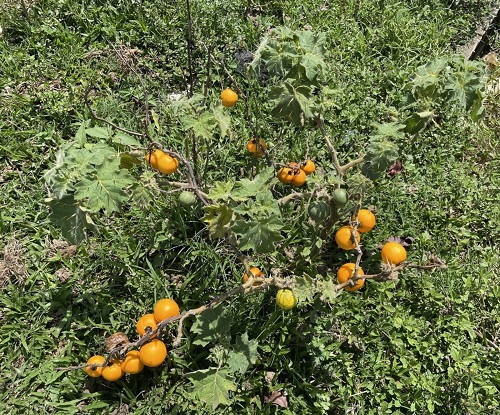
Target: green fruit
[339, 197]
[319, 211]
[187, 199]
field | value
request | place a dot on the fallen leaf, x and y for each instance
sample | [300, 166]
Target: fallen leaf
[403, 240]
[278, 398]
[115, 340]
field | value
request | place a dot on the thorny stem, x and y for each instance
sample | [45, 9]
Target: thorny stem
[189, 42]
[105, 121]
[190, 173]
[245, 99]
[247, 288]
[341, 169]
[145, 90]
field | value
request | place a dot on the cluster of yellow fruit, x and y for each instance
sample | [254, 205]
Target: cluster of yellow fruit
[392, 252]
[295, 174]
[162, 161]
[151, 354]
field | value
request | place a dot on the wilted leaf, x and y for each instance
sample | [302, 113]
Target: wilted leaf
[217, 217]
[115, 340]
[277, 398]
[403, 240]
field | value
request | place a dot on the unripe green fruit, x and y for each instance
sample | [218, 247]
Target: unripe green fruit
[339, 197]
[319, 210]
[187, 199]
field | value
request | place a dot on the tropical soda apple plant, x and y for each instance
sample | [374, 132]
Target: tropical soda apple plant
[106, 167]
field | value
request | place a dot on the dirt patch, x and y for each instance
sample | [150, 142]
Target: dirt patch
[12, 265]
[62, 248]
[63, 274]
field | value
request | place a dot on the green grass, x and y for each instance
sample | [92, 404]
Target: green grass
[419, 345]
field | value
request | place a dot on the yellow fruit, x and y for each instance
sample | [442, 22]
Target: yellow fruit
[286, 299]
[145, 322]
[256, 150]
[393, 253]
[256, 272]
[95, 360]
[285, 175]
[308, 167]
[345, 273]
[229, 97]
[165, 308]
[343, 237]
[152, 158]
[299, 178]
[132, 363]
[113, 372]
[153, 354]
[366, 220]
[167, 164]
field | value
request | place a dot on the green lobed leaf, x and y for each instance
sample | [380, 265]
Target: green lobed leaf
[243, 355]
[380, 152]
[418, 122]
[245, 188]
[104, 188]
[126, 140]
[81, 136]
[211, 326]
[327, 290]
[223, 120]
[100, 152]
[313, 47]
[304, 288]
[263, 205]
[358, 183]
[260, 235]
[203, 126]
[292, 103]
[212, 386]
[143, 190]
[68, 215]
[97, 132]
[220, 191]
